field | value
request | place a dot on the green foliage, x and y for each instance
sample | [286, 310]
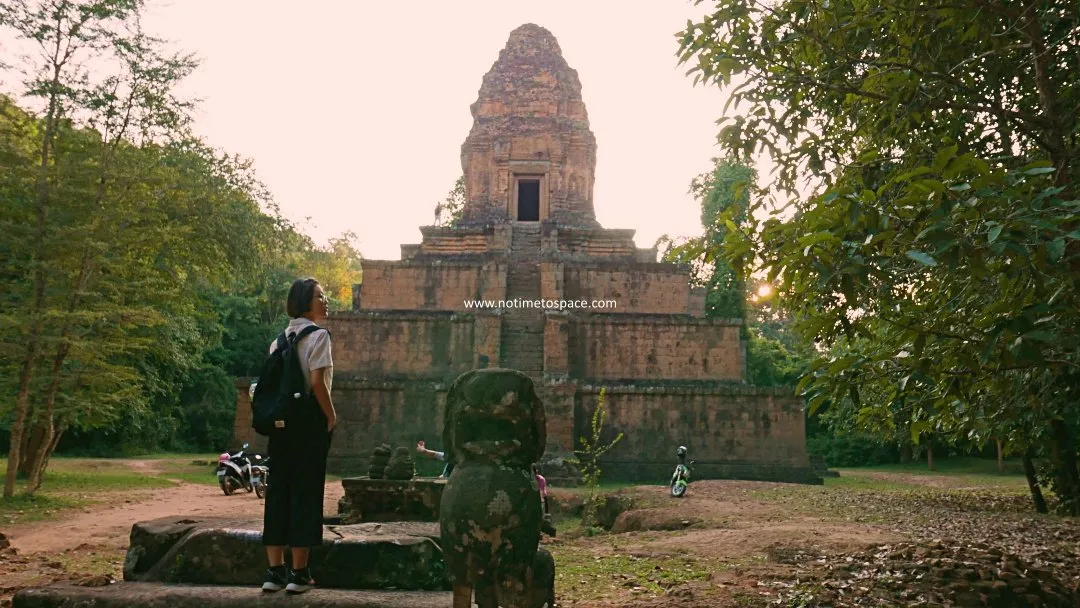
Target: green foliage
[934, 263]
[588, 459]
[724, 193]
[141, 269]
[769, 362]
[852, 450]
[448, 212]
[774, 357]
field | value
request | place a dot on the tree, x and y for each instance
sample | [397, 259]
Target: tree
[338, 267]
[773, 357]
[588, 457]
[142, 268]
[935, 261]
[724, 189]
[448, 212]
[134, 98]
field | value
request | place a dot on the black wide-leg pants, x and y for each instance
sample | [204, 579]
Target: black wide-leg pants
[293, 514]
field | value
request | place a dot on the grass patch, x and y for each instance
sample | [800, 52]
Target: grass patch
[66, 475]
[72, 483]
[205, 478]
[39, 507]
[63, 481]
[605, 486]
[957, 466]
[183, 469]
[108, 562]
[586, 574]
[180, 457]
[863, 480]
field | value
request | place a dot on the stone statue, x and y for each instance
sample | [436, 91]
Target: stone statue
[380, 457]
[490, 511]
[400, 466]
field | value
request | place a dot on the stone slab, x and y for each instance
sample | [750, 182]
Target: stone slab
[390, 500]
[223, 551]
[156, 595]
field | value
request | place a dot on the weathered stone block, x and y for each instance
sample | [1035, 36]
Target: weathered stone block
[212, 551]
[155, 595]
[388, 500]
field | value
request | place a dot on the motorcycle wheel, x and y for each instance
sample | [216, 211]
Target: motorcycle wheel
[678, 489]
[260, 490]
[226, 487]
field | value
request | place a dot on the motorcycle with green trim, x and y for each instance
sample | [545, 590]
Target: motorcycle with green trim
[681, 479]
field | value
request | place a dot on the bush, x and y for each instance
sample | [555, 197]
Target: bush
[852, 450]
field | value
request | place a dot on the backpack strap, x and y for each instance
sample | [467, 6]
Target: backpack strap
[282, 341]
[307, 330]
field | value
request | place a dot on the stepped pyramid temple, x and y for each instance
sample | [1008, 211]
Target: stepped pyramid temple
[609, 315]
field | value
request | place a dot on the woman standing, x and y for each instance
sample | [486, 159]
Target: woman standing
[293, 515]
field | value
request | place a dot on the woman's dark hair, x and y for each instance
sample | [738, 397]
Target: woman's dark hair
[300, 295]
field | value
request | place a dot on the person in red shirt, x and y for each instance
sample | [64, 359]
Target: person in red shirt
[542, 483]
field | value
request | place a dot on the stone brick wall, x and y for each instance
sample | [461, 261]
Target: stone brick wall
[242, 431]
[558, 398]
[556, 337]
[731, 431]
[392, 285]
[461, 241]
[597, 243]
[415, 343]
[371, 412]
[636, 288]
[620, 346]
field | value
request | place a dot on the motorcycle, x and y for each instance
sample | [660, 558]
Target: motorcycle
[681, 479]
[234, 472]
[260, 475]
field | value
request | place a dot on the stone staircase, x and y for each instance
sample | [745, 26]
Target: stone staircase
[522, 343]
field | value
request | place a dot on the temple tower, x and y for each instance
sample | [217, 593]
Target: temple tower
[530, 156]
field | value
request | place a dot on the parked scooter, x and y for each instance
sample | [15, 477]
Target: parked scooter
[260, 475]
[234, 472]
[681, 479]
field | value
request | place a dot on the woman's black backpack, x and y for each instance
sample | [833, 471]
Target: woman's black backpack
[281, 390]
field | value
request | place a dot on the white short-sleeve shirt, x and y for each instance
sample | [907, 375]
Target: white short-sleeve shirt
[314, 351]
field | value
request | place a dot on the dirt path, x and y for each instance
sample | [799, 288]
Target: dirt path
[107, 525]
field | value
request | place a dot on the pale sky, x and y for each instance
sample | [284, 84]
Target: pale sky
[354, 112]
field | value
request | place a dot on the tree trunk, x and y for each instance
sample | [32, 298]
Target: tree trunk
[41, 456]
[30, 446]
[1033, 483]
[930, 454]
[905, 453]
[22, 401]
[1001, 456]
[41, 453]
[1057, 127]
[1064, 458]
[48, 450]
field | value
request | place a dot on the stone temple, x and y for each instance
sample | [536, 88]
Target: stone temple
[528, 236]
